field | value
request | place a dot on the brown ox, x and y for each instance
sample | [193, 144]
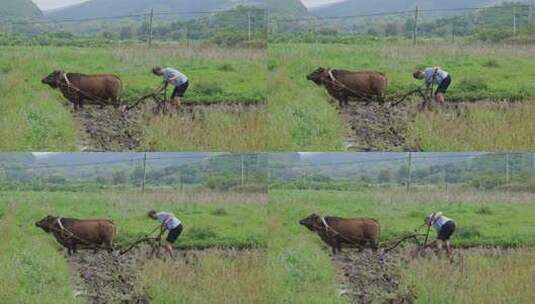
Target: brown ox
[71, 232]
[335, 230]
[96, 89]
[342, 85]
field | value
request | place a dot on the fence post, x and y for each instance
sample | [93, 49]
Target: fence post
[530, 14]
[242, 170]
[507, 172]
[180, 183]
[452, 32]
[514, 21]
[144, 172]
[187, 34]
[150, 26]
[249, 25]
[409, 172]
[415, 33]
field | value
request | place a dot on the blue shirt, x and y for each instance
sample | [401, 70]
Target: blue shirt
[177, 77]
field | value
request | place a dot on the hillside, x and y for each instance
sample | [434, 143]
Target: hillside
[19, 8]
[353, 7]
[102, 8]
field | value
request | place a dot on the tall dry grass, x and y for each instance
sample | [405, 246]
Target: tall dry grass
[480, 127]
[31, 271]
[209, 276]
[480, 276]
[214, 130]
[201, 197]
[140, 55]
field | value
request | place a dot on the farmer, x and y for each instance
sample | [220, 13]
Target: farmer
[171, 223]
[177, 79]
[444, 227]
[435, 76]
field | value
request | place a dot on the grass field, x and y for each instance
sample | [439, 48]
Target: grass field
[482, 73]
[303, 267]
[34, 117]
[32, 269]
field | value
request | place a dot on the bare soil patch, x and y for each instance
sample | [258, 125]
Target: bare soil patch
[110, 129]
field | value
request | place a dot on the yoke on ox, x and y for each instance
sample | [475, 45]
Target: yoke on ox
[335, 230]
[101, 89]
[342, 85]
[71, 232]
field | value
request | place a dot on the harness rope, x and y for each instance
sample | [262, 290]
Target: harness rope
[336, 233]
[338, 83]
[70, 86]
[145, 239]
[68, 234]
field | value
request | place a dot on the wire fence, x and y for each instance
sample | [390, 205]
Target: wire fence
[414, 23]
[480, 170]
[137, 170]
[261, 24]
[240, 24]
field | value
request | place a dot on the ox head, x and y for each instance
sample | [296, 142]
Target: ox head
[319, 76]
[47, 223]
[312, 222]
[53, 79]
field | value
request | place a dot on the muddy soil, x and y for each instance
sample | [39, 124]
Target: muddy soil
[381, 127]
[108, 278]
[110, 129]
[376, 127]
[367, 277]
[104, 277]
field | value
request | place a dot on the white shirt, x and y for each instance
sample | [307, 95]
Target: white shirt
[438, 222]
[434, 76]
[169, 219]
[178, 78]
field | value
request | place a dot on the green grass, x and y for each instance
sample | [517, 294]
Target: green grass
[300, 120]
[34, 117]
[299, 270]
[452, 132]
[299, 264]
[33, 270]
[504, 221]
[303, 119]
[212, 278]
[483, 277]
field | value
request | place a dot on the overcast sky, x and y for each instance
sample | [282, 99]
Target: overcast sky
[51, 4]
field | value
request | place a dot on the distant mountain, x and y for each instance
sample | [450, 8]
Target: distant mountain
[19, 9]
[106, 8]
[356, 7]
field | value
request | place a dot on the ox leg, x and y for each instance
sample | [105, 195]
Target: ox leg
[74, 104]
[109, 247]
[374, 244]
[344, 101]
[338, 245]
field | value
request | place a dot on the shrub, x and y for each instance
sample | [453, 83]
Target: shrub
[219, 211]
[468, 232]
[484, 210]
[202, 233]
